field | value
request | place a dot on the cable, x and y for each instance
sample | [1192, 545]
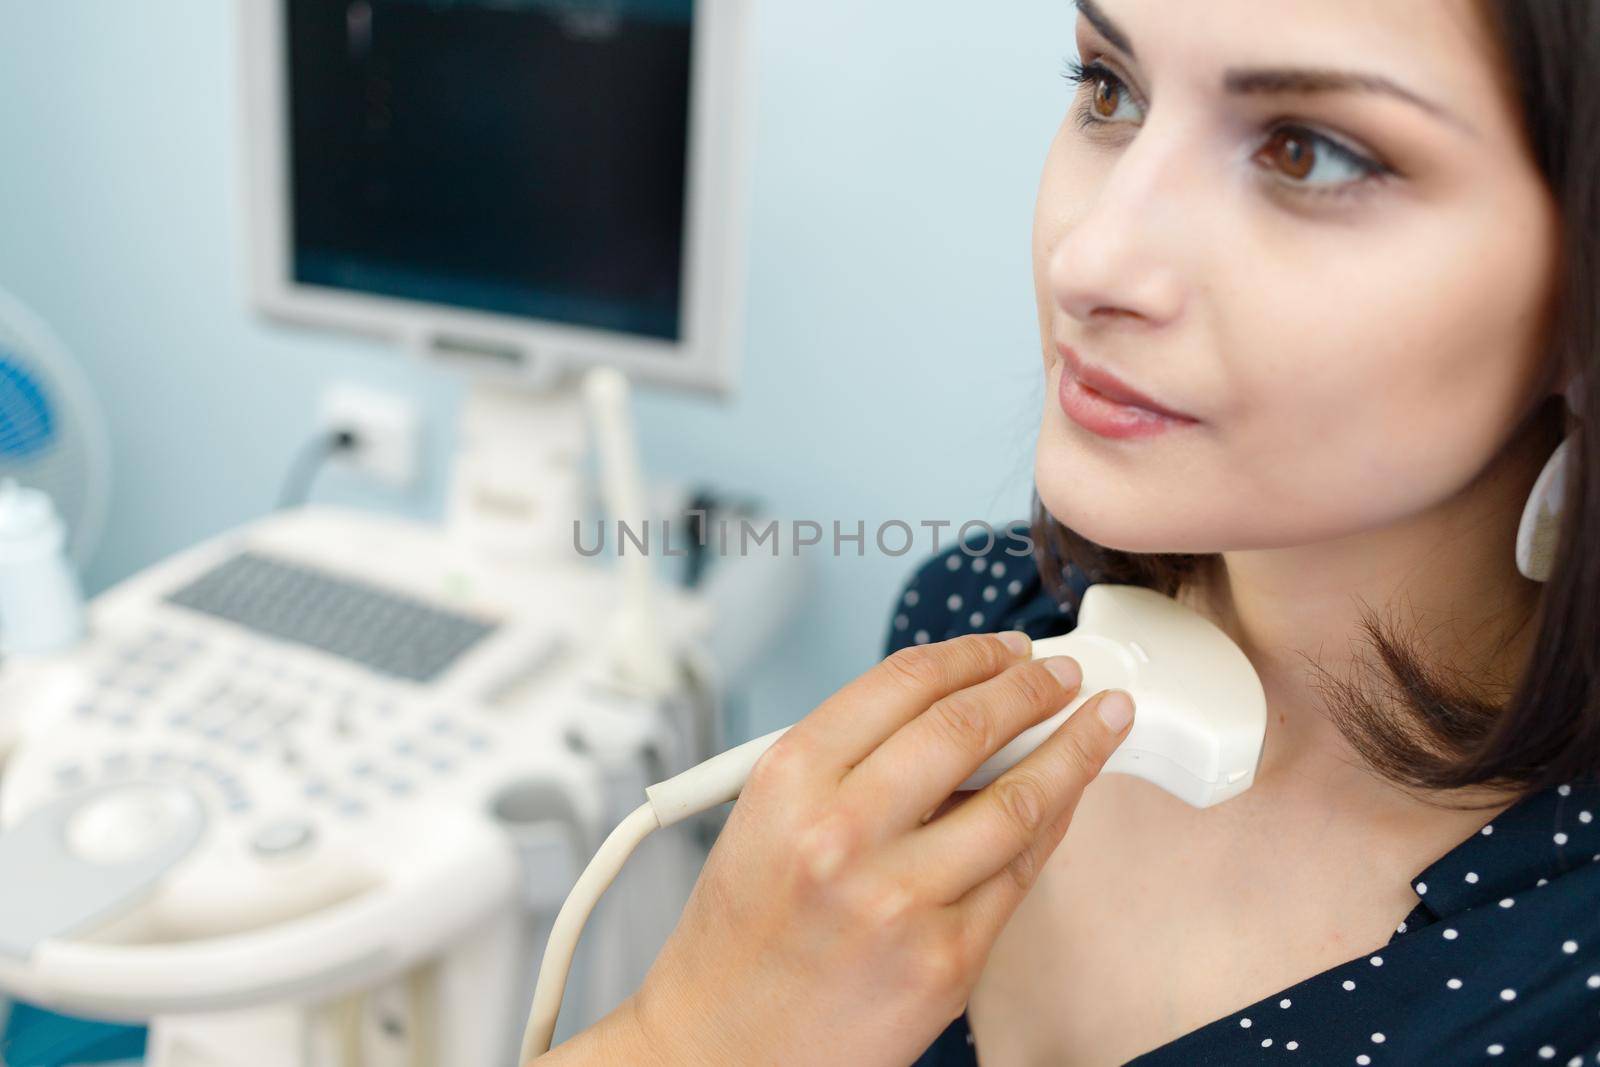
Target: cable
[716, 781]
[621, 843]
[705, 506]
[563, 942]
[308, 463]
[701, 506]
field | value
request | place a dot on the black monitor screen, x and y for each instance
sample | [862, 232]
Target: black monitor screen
[525, 157]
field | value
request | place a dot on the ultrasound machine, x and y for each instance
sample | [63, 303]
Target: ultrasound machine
[309, 793]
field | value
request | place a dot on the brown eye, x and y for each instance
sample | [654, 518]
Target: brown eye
[1106, 93]
[1291, 151]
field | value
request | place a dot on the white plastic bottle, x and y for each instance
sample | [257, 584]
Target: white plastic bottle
[41, 600]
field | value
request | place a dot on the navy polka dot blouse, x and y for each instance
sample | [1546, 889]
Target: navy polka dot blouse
[1499, 962]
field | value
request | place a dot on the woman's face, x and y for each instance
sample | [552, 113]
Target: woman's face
[1314, 227]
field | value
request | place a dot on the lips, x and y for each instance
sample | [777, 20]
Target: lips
[1114, 388]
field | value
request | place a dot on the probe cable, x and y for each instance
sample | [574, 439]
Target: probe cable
[716, 781]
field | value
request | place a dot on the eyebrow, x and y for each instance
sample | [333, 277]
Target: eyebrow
[1266, 80]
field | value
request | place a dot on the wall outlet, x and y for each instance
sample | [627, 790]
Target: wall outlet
[386, 428]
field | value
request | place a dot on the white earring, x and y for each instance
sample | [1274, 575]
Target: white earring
[1539, 531]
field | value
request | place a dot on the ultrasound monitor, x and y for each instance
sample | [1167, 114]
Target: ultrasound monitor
[523, 186]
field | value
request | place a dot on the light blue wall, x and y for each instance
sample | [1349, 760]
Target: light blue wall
[891, 368]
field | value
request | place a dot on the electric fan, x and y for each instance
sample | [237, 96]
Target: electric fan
[52, 434]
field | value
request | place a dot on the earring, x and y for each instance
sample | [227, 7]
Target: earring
[1539, 531]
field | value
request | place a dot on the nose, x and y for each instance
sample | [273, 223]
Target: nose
[1121, 257]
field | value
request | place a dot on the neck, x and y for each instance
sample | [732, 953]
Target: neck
[1445, 578]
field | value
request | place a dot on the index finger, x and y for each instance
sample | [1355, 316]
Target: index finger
[854, 721]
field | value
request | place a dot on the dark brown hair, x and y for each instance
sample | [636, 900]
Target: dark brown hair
[1428, 729]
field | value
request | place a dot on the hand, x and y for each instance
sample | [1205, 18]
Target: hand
[850, 902]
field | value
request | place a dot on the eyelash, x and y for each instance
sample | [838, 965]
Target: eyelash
[1078, 74]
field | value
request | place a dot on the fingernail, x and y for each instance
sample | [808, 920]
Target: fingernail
[1016, 641]
[1116, 709]
[1066, 670]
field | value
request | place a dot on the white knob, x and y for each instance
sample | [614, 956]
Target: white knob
[130, 823]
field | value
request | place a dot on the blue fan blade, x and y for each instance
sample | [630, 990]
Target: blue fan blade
[27, 425]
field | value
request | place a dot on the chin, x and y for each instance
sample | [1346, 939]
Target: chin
[1126, 501]
[1115, 518]
[1105, 522]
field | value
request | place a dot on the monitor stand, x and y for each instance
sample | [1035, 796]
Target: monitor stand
[518, 480]
[521, 491]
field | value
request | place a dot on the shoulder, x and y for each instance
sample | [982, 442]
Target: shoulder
[987, 582]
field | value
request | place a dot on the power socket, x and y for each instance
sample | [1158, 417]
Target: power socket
[386, 429]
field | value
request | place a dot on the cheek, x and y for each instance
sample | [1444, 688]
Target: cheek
[1392, 395]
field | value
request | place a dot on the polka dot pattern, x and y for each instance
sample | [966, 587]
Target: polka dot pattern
[1498, 959]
